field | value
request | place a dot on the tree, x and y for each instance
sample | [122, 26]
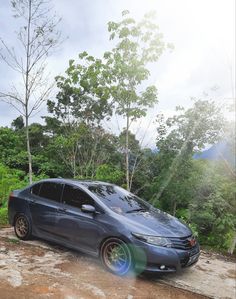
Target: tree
[135, 152]
[83, 93]
[212, 208]
[37, 38]
[178, 139]
[18, 123]
[139, 43]
[80, 105]
[190, 130]
[12, 149]
[83, 150]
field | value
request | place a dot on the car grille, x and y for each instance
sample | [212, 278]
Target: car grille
[184, 261]
[185, 243]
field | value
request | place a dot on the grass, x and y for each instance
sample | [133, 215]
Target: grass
[13, 241]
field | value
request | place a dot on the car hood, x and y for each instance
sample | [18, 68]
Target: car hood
[156, 223]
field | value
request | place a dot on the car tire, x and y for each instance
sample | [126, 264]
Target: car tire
[116, 257]
[22, 227]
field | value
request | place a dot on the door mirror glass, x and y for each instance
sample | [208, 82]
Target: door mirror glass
[88, 209]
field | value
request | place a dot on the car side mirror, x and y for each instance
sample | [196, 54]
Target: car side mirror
[88, 209]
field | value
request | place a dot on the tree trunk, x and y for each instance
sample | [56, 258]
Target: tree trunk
[27, 95]
[127, 153]
[74, 165]
[132, 173]
[174, 208]
[28, 150]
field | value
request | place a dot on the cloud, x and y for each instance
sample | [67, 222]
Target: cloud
[202, 32]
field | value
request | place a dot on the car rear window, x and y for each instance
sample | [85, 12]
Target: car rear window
[35, 189]
[51, 191]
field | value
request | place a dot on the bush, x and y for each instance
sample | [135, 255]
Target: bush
[3, 216]
[10, 179]
[213, 208]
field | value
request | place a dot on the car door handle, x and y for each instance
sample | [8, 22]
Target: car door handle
[62, 210]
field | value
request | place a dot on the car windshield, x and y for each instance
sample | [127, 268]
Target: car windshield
[118, 199]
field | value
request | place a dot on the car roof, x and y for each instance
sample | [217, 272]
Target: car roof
[85, 183]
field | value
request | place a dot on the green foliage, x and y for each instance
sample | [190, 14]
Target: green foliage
[200, 193]
[10, 143]
[73, 142]
[109, 173]
[134, 146]
[13, 240]
[190, 130]
[178, 138]
[213, 206]
[3, 216]
[18, 123]
[204, 198]
[10, 179]
[138, 43]
[83, 93]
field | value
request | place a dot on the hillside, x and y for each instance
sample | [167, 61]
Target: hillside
[219, 151]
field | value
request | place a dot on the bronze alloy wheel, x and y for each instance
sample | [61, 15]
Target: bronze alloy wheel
[22, 227]
[116, 256]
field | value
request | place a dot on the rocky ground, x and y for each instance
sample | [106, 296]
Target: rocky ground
[35, 269]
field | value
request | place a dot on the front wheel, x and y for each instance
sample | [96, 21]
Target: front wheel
[22, 227]
[116, 256]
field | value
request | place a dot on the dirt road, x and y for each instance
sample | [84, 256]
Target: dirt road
[36, 269]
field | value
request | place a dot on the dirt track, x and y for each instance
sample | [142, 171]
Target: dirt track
[39, 270]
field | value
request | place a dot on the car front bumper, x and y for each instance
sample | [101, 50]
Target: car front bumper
[161, 259]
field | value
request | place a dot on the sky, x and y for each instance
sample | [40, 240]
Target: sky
[201, 65]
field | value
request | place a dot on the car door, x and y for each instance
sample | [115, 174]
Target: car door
[82, 230]
[43, 203]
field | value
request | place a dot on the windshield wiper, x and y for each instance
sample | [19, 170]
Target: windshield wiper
[137, 210]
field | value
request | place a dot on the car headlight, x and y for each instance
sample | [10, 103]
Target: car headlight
[158, 241]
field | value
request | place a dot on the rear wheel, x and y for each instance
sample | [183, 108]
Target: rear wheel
[22, 227]
[116, 256]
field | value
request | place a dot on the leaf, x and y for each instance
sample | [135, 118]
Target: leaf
[125, 12]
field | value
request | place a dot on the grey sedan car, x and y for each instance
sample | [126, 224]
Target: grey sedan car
[104, 220]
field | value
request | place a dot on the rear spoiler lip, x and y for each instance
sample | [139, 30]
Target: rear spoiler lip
[14, 193]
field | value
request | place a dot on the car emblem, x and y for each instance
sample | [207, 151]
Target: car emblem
[192, 241]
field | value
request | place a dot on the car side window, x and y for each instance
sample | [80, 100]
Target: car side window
[35, 189]
[75, 197]
[51, 191]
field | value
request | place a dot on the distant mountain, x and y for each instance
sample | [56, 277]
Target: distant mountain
[219, 151]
